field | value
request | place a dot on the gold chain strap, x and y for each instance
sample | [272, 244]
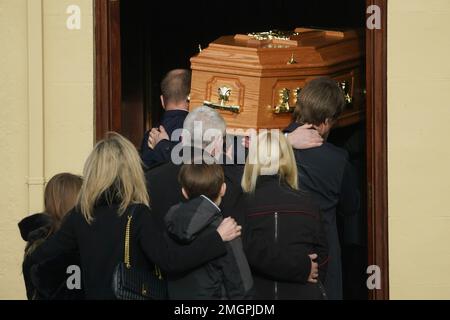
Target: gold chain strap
[127, 250]
[127, 243]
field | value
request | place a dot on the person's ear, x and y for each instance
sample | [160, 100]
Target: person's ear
[162, 102]
[329, 123]
[320, 128]
[223, 189]
[185, 194]
[219, 145]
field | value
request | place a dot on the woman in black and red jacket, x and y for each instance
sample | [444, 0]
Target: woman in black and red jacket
[282, 229]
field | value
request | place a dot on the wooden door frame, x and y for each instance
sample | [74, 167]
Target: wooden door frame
[108, 98]
[376, 140]
[108, 118]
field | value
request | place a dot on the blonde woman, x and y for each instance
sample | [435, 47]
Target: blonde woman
[282, 231]
[113, 183]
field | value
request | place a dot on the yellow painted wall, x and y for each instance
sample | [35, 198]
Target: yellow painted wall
[68, 87]
[46, 113]
[419, 153]
[13, 142]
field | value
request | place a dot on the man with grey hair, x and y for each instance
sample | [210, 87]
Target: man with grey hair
[162, 181]
[203, 134]
[204, 131]
[210, 121]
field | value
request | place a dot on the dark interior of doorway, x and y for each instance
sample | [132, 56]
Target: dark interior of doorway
[159, 36]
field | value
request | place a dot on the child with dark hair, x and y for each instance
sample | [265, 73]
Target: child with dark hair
[47, 280]
[227, 277]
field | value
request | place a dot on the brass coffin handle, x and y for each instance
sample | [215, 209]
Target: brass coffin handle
[283, 103]
[233, 109]
[345, 86]
[224, 96]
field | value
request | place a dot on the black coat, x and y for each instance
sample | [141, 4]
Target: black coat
[327, 174]
[227, 277]
[46, 280]
[101, 246]
[165, 191]
[281, 227]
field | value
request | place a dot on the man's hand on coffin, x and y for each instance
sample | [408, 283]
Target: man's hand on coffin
[156, 136]
[305, 137]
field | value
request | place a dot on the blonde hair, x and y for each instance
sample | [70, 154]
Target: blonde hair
[270, 154]
[113, 166]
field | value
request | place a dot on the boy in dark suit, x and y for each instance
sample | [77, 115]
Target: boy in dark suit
[325, 171]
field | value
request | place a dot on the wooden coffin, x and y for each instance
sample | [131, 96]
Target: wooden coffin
[254, 79]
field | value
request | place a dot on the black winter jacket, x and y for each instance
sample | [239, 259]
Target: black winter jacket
[227, 277]
[281, 227]
[46, 280]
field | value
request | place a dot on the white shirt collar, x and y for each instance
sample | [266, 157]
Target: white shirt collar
[213, 203]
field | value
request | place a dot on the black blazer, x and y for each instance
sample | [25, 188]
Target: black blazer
[327, 174]
[101, 247]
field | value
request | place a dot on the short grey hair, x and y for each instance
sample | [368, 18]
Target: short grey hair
[207, 120]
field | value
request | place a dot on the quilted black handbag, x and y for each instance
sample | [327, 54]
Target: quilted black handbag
[132, 283]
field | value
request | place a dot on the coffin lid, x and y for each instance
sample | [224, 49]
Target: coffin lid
[305, 49]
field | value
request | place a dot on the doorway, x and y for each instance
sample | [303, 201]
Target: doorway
[137, 42]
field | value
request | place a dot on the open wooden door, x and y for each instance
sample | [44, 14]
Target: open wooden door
[107, 67]
[121, 71]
